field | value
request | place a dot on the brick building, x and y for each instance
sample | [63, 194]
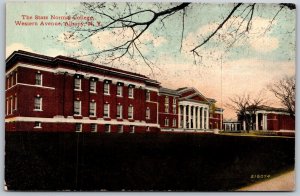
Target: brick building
[268, 118]
[64, 94]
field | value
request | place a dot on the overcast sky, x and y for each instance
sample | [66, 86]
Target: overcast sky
[264, 56]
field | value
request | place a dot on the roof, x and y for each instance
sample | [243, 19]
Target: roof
[267, 108]
[168, 91]
[20, 54]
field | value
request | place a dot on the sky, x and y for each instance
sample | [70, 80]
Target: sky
[264, 55]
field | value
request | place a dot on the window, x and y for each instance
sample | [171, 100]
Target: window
[166, 100]
[106, 128]
[174, 101]
[92, 108]
[174, 122]
[94, 128]
[148, 96]
[130, 112]
[77, 83]
[120, 91]
[16, 75]
[147, 113]
[12, 80]
[78, 127]
[37, 124]
[120, 128]
[92, 86]
[38, 79]
[38, 103]
[130, 92]
[119, 111]
[166, 108]
[11, 105]
[16, 102]
[166, 122]
[131, 129]
[106, 110]
[174, 109]
[106, 88]
[148, 129]
[7, 105]
[77, 107]
[7, 81]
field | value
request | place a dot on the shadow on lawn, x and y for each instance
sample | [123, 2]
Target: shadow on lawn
[137, 162]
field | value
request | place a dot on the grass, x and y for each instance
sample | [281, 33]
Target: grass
[141, 162]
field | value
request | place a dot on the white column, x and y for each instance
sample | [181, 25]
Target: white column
[202, 117]
[263, 121]
[198, 116]
[244, 125]
[256, 121]
[207, 118]
[179, 117]
[266, 121]
[184, 116]
[190, 115]
[194, 117]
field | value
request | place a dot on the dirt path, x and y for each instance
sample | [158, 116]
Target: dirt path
[284, 182]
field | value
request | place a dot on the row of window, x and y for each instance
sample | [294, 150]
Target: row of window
[167, 122]
[106, 88]
[93, 127]
[106, 110]
[11, 104]
[92, 109]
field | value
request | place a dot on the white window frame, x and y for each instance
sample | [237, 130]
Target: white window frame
[11, 104]
[148, 113]
[40, 79]
[8, 82]
[121, 130]
[7, 106]
[93, 124]
[108, 89]
[12, 79]
[174, 101]
[16, 102]
[148, 96]
[79, 113]
[131, 129]
[108, 125]
[130, 92]
[119, 91]
[167, 108]
[174, 109]
[40, 103]
[93, 84]
[108, 112]
[37, 125]
[119, 111]
[166, 122]
[80, 127]
[174, 122]
[130, 112]
[167, 100]
[77, 87]
[92, 103]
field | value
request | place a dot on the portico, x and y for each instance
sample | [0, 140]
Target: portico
[193, 115]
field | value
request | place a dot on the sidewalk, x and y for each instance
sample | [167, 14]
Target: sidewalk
[284, 182]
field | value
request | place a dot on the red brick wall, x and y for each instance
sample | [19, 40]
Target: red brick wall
[170, 115]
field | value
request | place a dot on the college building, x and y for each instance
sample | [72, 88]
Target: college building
[266, 118]
[64, 94]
